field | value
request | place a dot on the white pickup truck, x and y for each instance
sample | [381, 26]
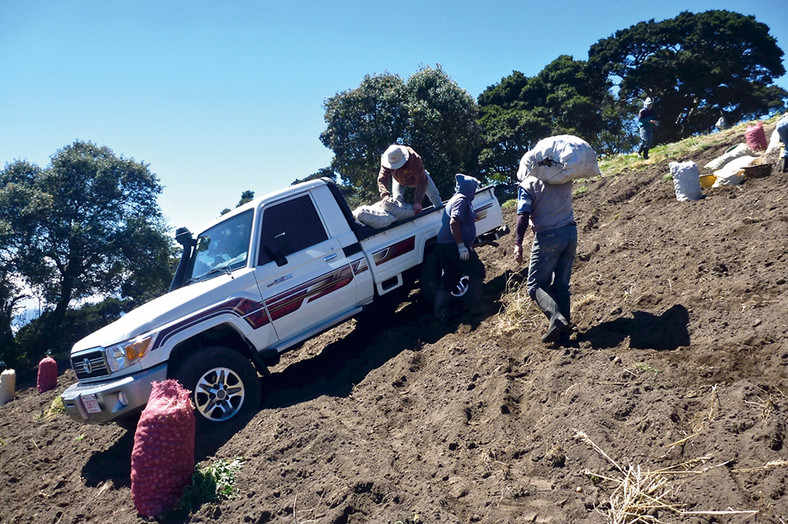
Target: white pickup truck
[258, 281]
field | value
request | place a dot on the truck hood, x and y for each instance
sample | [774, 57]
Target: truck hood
[156, 313]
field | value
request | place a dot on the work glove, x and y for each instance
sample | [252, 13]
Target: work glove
[464, 253]
[518, 253]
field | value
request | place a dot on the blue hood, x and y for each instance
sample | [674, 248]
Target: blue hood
[466, 185]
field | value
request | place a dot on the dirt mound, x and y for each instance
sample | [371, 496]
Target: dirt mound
[677, 366]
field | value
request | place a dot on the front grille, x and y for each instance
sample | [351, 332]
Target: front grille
[90, 364]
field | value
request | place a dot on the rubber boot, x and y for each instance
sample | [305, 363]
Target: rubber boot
[558, 323]
[645, 153]
[564, 306]
[783, 164]
[441, 306]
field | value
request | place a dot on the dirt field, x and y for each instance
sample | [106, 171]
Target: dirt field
[677, 365]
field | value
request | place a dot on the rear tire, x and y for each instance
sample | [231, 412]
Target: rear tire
[223, 383]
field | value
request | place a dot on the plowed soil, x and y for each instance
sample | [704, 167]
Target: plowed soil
[676, 370]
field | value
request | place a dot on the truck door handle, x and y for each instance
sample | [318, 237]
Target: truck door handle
[329, 258]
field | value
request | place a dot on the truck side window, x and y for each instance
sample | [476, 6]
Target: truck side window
[289, 227]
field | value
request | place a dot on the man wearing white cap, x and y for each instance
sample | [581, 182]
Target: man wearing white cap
[404, 167]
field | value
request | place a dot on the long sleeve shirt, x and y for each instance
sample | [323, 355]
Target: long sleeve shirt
[411, 175]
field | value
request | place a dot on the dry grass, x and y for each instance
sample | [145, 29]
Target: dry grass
[632, 163]
[639, 496]
[701, 420]
[767, 406]
[518, 312]
[584, 300]
[781, 463]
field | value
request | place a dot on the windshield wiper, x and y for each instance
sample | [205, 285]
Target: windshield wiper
[221, 269]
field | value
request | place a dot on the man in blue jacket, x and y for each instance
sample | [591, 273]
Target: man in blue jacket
[456, 255]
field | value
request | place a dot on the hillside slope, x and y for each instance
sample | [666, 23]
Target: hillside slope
[678, 362]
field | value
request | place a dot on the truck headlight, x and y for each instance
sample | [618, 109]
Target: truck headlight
[126, 353]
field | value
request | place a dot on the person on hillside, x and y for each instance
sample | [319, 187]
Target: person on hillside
[402, 166]
[647, 120]
[548, 208]
[456, 255]
[782, 132]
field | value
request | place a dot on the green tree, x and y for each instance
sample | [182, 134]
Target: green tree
[88, 224]
[323, 172]
[564, 98]
[695, 67]
[14, 199]
[10, 299]
[442, 126]
[246, 196]
[429, 112]
[360, 124]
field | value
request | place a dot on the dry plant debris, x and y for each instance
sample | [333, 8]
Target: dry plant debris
[518, 312]
[639, 495]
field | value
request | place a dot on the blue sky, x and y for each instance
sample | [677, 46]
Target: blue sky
[221, 97]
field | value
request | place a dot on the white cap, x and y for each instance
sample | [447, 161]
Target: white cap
[394, 157]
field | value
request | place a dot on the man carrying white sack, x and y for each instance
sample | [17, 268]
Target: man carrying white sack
[549, 208]
[402, 166]
[545, 198]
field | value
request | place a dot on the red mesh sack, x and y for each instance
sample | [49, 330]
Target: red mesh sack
[756, 137]
[162, 460]
[47, 374]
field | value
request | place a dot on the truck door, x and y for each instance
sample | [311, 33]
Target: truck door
[302, 272]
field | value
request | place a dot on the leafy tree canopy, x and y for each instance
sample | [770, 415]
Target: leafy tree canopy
[694, 66]
[429, 112]
[564, 98]
[246, 196]
[87, 224]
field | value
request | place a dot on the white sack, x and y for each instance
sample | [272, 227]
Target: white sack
[400, 210]
[559, 159]
[7, 386]
[733, 172]
[774, 142]
[686, 180]
[374, 216]
[730, 154]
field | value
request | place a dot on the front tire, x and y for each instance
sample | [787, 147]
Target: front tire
[223, 383]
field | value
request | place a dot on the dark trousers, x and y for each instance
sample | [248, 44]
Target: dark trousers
[453, 268]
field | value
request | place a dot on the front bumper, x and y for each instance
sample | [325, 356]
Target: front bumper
[135, 388]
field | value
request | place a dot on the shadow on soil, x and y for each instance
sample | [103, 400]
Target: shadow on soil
[373, 342]
[345, 362]
[645, 331]
[338, 367]
[112, 465]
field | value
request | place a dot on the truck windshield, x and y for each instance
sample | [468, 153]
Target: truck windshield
[222, 248]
